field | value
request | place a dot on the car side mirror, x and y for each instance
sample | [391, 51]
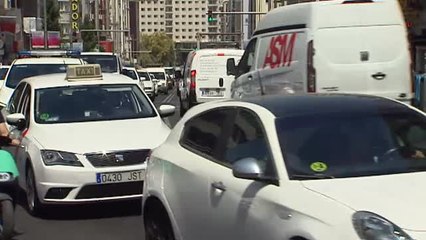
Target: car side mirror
[18, 120]
[166, 110]
[231, 69]
[247, 168]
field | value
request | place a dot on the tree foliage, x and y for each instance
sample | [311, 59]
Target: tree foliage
[161, 47]
[89, 38]
[52, 15]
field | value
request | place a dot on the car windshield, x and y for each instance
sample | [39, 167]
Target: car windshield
[91, 103]
[3, 72]
[169, 71]
[108, 62]
[353, 144]
[145, 75]
[21, 71]
[159, 75]
[132, 74]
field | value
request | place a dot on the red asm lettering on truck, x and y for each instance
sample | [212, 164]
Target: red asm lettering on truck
[280, 52]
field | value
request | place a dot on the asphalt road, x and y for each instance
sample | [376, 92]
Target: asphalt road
[107, 221]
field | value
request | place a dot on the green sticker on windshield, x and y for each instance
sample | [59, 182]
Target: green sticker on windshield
[44, 116]
[319, 167]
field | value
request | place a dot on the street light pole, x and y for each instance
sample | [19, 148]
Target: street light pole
[45, 24]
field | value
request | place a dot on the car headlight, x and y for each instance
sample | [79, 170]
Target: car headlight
[5, 177]
[370, 226]
[51, 158]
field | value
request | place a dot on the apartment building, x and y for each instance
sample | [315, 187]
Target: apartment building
[181, 19]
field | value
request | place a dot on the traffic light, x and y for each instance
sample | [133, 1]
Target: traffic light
[210, 16]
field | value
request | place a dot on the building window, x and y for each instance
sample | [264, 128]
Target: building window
[149, 30]
[183, 9]
[190, 30]
[189, 23]
[183, 37]
[183, 30]
[148, 9]
[155, 16]
[176, 16]
[177, 30]
[176, 23]
[197, 9]
[155, 9]
[169, 23]
[189, 16]
[161, 9]
[169, 9]
[203, 30]
[190, 37]
[143, 23]
[161, 23]
[197, 23]
[183, 16]
[176, 2]
[142, 9]
[149, 23]
[161, 16]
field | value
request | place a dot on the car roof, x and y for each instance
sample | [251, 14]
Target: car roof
[153, 69]
[99, 53]
[317, 14]
[312, 104]
[130, 68]
[208, 51]
[48, 60]
[58, 80]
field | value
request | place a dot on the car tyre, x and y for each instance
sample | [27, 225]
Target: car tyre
[34, 206]
[182, 111]
[7, 219]
[158, 227]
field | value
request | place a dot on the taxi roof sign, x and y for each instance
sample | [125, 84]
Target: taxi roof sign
[85, 72]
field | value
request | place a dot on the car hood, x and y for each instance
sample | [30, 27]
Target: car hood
[401, 198]
[114, 135]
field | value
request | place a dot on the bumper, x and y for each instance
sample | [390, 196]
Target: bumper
[67, 185]
[149, 92]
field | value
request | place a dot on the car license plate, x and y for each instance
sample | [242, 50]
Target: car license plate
[119, 177]
[212, 93]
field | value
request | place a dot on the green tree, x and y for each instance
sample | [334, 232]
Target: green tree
[161, 47]
[89, 38]
[52, 15]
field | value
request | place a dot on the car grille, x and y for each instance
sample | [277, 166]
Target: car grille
[123, 158]
[110, 190]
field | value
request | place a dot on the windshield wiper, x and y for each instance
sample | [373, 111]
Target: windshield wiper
[314, 176]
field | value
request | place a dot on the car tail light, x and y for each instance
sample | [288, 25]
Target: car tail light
[193, 75]
[24, 133]
[221, 54]
[310, 71]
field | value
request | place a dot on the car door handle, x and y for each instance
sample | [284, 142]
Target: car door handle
[220, 82]
[219, 185]
[250, 78]
[379, 76]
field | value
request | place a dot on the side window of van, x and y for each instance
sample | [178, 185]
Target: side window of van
[247, 60]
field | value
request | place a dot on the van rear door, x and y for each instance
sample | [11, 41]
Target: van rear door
[366, 59]
[212, 82]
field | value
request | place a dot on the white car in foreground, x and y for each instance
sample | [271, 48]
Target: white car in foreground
[297, 167]
[86, 137]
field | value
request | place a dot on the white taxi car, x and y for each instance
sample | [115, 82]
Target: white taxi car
[86, 136]
[296, 167]
[35, 63]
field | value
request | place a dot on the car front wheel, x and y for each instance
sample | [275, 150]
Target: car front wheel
[157, 227]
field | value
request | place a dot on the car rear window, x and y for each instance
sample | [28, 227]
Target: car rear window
[21, 71]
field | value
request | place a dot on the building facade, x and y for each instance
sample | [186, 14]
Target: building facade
[180, 19]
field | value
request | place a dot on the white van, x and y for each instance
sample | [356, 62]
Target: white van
[205, 78]
[329, 46]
